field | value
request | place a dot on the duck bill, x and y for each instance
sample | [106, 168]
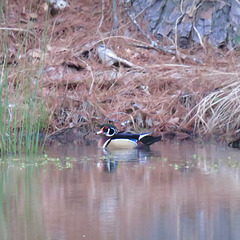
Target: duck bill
[99, 132]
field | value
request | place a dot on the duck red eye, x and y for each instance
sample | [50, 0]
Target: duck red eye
[105, 129]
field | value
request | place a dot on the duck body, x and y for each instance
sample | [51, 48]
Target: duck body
[110, 138]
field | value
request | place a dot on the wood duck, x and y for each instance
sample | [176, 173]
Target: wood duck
[112, 139]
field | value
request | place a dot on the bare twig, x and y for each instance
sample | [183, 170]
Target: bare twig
[156, 48]
[154, 44]
[91, 72]
[17, 30]
[115, 20]
[102, 18]
[199, 37]
[3, 68]
[238, 1]
[177, 22]
[194, 10]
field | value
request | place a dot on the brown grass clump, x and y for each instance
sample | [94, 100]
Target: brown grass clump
[165, 93]
[219, 112]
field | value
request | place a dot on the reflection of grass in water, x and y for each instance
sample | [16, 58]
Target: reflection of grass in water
[21, 206]
[21, 202]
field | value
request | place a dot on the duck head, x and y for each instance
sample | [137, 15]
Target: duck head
[106, 132]
[109, 130]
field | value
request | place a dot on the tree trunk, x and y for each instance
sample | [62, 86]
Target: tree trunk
[190, 22]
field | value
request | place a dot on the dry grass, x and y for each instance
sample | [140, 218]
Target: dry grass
[78, 89]
[219, 112]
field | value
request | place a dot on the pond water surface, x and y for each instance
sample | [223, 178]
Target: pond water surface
[175, 191]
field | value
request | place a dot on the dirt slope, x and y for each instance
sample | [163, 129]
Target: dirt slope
[161, 92]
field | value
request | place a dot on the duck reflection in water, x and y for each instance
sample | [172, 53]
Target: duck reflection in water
[111, 158]
[108, 165]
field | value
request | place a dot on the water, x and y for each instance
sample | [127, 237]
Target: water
[175, 191]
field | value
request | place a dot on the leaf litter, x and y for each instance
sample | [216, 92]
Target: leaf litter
[158, 91]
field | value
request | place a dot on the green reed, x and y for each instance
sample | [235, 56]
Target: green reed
[22, 110]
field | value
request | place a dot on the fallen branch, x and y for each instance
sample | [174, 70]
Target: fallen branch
[109, 58]
[17, 30]
[158, 49]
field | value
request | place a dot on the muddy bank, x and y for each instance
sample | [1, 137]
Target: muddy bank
[192, 91]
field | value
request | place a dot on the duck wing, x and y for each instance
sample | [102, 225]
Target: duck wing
[143, 138]
[149, 140]
[126, 135]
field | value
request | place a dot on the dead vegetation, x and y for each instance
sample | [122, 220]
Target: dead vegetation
[161, 91]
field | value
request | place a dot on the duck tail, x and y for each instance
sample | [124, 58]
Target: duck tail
[149, 140]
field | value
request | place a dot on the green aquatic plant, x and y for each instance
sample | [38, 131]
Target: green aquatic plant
[165, 159]
[22, 108]
[176, 166]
